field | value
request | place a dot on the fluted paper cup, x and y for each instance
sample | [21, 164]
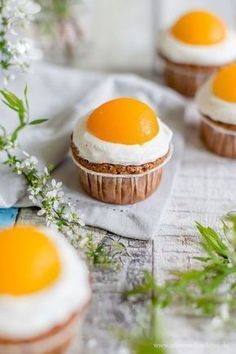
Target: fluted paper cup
[120, 189]
[218, 139]
[186, 79]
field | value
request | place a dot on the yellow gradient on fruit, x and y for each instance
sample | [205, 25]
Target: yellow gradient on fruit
[124, 121]
[224, 84]
[29, 261]
[199, 28]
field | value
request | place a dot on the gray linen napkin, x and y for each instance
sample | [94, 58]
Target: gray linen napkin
[65, 95]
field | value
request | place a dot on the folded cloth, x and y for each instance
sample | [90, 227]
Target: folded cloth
[64, 95]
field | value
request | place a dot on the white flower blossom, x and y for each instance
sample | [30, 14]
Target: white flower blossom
[17, 51]
[83, 242]
[48, 194]
[30, 162]
[56, 205]
[41, 212]
[81, 222]
[51, 194]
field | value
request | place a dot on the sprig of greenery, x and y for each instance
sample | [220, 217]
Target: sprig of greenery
[98, 253]
[148, 338]
[6, 54]
[208, 290]
[15, 49]
[44, 191]
[21, 107]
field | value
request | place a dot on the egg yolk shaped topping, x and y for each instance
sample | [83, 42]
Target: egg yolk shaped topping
[123, 121]
[224, 84]
[29, 261]
[199, 28]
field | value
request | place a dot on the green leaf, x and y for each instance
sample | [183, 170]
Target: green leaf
[38, 121]
[202, 259]
[3, 130]
[12, 99]
[16, 104]
[211, 242]
[231, 219]
[14, 135]
[26, 97]
[10, 106]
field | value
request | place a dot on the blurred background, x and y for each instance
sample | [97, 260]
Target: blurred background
[117, 35]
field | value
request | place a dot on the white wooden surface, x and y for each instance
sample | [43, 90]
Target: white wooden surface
[204, 190]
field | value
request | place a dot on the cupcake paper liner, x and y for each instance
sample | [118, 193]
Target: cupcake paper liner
[220, 140]
[121, 189]
[186, 79]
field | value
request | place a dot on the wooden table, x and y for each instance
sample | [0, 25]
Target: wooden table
[204, 190]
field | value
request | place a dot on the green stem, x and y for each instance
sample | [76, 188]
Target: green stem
[16, 132]
[5, 54]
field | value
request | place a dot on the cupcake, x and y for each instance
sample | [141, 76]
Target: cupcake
[44, 290]
[194, 48]
[216, 102]
[119, 150]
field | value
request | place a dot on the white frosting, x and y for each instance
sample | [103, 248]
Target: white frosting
[214, 107]
[205, 55]
[96, 150]
[34, 314]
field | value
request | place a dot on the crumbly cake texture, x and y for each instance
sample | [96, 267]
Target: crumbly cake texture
[186, 78]
[220, 142]
[115, 169]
